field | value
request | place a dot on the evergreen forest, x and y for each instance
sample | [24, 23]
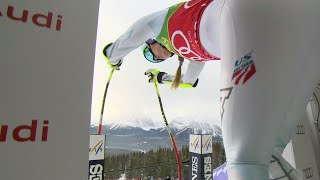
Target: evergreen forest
[155, 164]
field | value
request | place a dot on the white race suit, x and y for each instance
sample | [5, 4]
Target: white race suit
[276, 47]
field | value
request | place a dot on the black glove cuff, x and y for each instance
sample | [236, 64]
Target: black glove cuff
[104, 51]
[160, 76]
[119, 63]
[196, 83]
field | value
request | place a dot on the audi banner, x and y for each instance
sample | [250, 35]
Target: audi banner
[46, 72]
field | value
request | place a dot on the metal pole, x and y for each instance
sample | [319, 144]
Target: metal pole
[103, 101]
[169, 131]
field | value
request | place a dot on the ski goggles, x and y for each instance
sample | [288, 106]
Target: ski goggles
[148, 53]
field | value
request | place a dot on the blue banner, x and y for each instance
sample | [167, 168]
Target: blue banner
[220, 173]
[196, 167]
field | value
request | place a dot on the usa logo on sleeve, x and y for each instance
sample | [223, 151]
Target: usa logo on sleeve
[244, 69]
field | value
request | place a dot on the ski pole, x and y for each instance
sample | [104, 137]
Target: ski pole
[168, 129]
[103, 101]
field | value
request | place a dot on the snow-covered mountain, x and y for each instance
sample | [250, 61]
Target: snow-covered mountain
[150, 127]
[198, 127]
[144, 134]
[143, 123]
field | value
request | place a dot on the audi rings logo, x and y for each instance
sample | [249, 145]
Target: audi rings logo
[300, 130]
[308, 173]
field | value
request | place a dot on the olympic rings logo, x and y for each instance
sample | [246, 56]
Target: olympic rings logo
[184, 50]
[187, 6]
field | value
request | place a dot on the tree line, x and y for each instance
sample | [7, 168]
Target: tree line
[160, 163]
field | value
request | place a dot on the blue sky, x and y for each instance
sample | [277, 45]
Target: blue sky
[129, 94]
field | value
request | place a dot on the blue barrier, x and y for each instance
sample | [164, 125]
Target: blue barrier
[220, 173]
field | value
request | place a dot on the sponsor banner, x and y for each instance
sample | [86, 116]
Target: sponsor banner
[46, 72]
[206, 144]
[195, 166]
[96, 170]
[207, 166]
[200, 166]
[97, 146]
[200, 153]
[220, 173]
[195, 143]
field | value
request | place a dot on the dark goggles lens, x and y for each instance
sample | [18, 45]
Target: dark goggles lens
[149, 55]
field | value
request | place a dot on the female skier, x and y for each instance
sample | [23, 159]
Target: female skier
[189, 30]
[269, 68]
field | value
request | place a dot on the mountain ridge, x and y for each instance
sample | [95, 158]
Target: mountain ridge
[144, 136]
[144, 126]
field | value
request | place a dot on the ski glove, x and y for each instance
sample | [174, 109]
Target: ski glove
[113, 66]
[156, 75]
[164, 78]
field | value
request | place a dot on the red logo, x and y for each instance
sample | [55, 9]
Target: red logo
[244, 69]
[183, 31]
[48, 20]
[24, 133]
